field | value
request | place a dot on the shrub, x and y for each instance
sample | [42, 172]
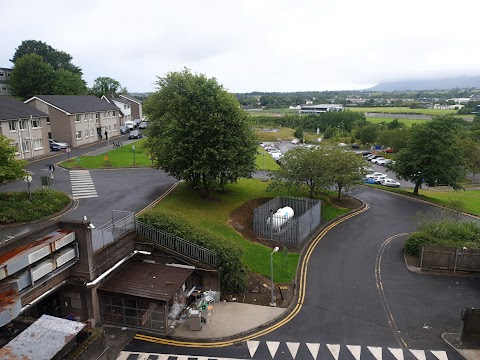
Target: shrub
[416, 241]
[233, 272]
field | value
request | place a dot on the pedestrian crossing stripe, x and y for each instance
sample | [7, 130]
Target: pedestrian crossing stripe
[82, 184]
[129, 355]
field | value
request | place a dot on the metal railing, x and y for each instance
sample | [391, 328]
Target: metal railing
[106, 235]
[177, 244]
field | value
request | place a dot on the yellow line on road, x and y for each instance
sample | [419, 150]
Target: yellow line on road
[288, 318]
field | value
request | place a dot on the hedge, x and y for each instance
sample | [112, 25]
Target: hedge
[233, 271]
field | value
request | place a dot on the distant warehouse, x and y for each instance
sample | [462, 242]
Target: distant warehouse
[318, 109]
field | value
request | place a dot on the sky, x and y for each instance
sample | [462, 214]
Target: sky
[254, 45]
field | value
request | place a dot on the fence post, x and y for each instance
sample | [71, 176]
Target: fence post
[455, 264]
[421, 260]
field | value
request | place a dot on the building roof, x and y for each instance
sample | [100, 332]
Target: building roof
[11, 108]
[75, 104]
[110, 98]
[44, 339]
[147, 280]
[131, 98]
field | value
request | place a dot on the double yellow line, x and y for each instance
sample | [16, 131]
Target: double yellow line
[285, 320]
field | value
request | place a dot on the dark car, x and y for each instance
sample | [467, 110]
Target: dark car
[355, 146]
[124, 129]
[135, 134]
[142, 125]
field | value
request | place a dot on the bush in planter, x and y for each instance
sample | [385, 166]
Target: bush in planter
[413, 245]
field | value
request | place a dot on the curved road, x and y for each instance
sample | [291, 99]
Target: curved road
[359, 292]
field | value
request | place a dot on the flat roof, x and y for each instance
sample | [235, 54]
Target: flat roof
[147, 280]
[42, 340]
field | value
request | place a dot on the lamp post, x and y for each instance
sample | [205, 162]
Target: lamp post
[106, 130]
[133, 149]
[275, 249]
[263, 165]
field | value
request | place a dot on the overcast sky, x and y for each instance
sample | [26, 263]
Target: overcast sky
[254, 45]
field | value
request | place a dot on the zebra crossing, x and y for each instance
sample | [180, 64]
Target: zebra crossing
[82, 184]
[304, 351]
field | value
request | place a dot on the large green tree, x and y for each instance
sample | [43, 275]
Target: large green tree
[106, 85]
[433, 155]
[31, 76]
[198, 132]
[10, 168]
[56, 58]
[319, 169]
[67, 83]
[471, 152]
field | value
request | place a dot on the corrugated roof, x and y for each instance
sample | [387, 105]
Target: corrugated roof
[11, 109]
[147, 280]
[42, 340]
[76, 104]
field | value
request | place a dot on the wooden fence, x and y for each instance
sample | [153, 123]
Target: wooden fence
[450, 258]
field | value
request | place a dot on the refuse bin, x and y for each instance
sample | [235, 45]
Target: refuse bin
[195, 320]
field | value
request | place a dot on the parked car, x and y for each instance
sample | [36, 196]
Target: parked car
[277, 156]
[142, 125]
[295, 141]
[376, 160]
[369, 181]
[61, 144]
[376, 173]
[136, 122]
[370, 158]
[379, 179]
[355, 146]
[54, 147]
[130, 124]
[135, 134]
[124, 129]
[384, 162]
[390, 182]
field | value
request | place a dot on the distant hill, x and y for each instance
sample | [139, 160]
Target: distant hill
[444, 84]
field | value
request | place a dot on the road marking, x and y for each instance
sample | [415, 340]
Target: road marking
[398, 353]
[419, 354]
[252, 346]
[272, 347]
[82, 184]
[441, 355]
[313, 348]
[135, 355]
[293, 348]
[376, 351]
[356, 350]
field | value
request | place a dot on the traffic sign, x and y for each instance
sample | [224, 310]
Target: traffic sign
[68, 150]
[27, 178]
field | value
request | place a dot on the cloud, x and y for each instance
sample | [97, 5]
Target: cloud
[254, 45]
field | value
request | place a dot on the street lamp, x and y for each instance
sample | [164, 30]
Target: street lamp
[275, 249]
[263, 164]
[133, 149]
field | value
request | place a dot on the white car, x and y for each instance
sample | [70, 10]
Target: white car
[379, 179]
[295, 141]
[130, 124]
[375, 174]
[60, 144]
[384, 162]
[390, 182]
[277, 156]
[376, 160]
[272, 151]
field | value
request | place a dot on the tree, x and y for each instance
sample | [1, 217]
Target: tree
[10, 168]
[105, 85]
[471, 152]
[198, 132]
[367, 134]
[298, 133]
[432, 155]
[67, 83]
[345, 169]
[319, 169]
[396, 139]
[57, 59]
[31, 76]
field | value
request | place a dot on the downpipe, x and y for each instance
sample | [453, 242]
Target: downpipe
[114, 267]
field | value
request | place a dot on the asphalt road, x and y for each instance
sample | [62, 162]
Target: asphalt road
[359, 292]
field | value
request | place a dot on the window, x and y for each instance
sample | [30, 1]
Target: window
[90, 118]
[4, 87]
[91, 132]
[25, 145]
[113, 113]
[77, 118]
[86, 134]
[78, 135]
[12, 125]
[23, 124]
[85, 117]
[114, 127]
[17, 148]
[48, 120]
[109, 128]
[35, 123]
[37, 144]
[125, 106]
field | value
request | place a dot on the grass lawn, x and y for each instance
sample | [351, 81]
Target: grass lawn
[16, 207]
[213, 214]
[470, 198]
[270, 164]
[282, 133]
[402, 110]
[408, 122]
[121, 157]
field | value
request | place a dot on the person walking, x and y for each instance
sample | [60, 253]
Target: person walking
[51, 168]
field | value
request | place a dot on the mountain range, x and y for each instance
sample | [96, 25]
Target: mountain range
[442, 84]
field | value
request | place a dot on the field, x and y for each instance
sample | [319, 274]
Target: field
[407, 122]
[402, 110]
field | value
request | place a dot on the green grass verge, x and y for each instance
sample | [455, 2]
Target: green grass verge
[121, 157]
[190, 206]
[264, 161]
[407, 122]
[16, 207]
[402, 110]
